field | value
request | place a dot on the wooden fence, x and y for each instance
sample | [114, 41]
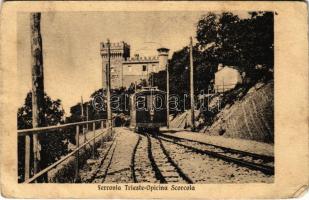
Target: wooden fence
[28, 132]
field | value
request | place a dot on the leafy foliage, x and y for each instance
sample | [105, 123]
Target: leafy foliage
[243, 43]
[97, 107]
[53, 145]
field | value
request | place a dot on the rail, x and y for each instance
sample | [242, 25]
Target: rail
[36, 131]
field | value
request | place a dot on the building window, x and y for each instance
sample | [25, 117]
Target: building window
[144, 68]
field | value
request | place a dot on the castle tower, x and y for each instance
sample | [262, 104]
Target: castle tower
[119, 53]
[163, 58]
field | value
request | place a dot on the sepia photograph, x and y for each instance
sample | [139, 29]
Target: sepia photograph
[154, 99]
[178, 97]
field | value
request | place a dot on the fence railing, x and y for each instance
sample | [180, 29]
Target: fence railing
[36, 131]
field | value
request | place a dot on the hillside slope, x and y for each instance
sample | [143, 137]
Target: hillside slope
[183, 120]
[252, 117]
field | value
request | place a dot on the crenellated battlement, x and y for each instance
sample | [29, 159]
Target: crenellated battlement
[126, 69]
[117, 50]
[117, 45]
[142, 59]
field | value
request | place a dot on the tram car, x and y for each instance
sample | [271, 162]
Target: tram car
[148, 110]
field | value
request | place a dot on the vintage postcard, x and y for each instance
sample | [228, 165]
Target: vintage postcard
[158, 99]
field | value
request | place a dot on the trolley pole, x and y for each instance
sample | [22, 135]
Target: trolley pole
[167, 98]
[109, 124]
[191, 86]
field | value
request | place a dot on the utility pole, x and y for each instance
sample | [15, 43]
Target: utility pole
[87, 116]
[37, 91]
[167, 98]
[122, 76]
[83, 117]
[147, 81]
[82, 108]
[109, 124]
[191, 86]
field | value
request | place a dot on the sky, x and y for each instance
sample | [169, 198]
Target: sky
[71, 46]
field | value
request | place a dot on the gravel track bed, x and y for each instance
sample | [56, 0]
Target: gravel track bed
[95, 170]
[257, 159]
[127, 156]
[165, 167]
[204, 169]
[120, 167]
[143, 168]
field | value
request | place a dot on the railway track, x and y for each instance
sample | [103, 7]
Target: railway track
[100, 170]
[169, 159]
[151, 162]
[105, 169]
[141, 167]
[258, 162]
[166, 170]
[133, 160]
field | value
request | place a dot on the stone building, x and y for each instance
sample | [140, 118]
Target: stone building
[226, 78]
[125, 69]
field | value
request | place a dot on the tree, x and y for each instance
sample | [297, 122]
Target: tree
[53, 145]
[179, 72]
[217, 36]
[227, 39]
[207, 30]
[243, 43]
[158, 79]
[257, 45]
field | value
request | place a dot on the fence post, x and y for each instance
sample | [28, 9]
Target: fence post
[102, 127]
[87, 116]
[77, 154]
[93, 148]
[85, 136]
[84, 133]
[27, 157]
